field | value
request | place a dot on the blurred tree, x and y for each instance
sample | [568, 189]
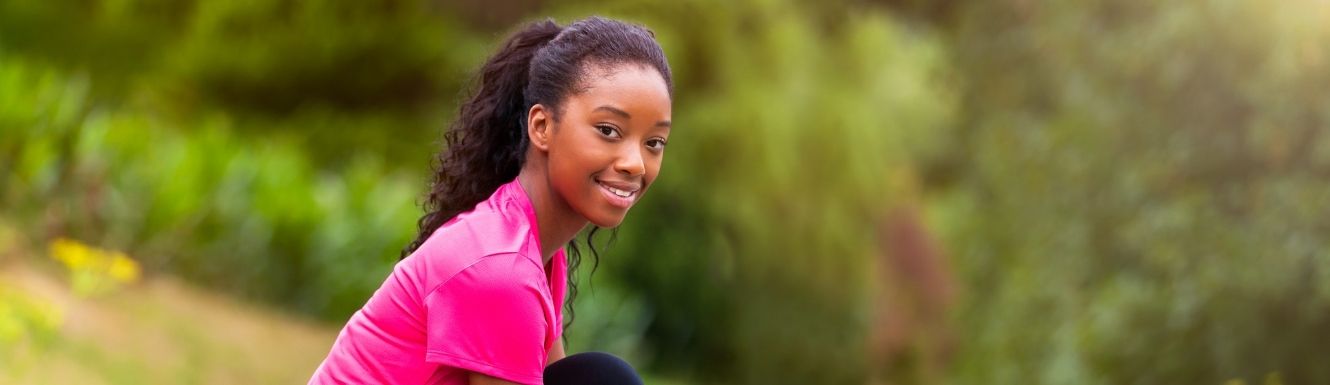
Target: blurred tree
[1140, 195]
[750, 250]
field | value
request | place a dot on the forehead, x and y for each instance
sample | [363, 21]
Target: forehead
[626, 86]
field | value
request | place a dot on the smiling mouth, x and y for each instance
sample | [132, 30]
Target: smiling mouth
[620, 194]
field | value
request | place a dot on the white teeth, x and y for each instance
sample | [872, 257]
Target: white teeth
[618, 192]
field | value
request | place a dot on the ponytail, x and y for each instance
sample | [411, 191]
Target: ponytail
[487, 143]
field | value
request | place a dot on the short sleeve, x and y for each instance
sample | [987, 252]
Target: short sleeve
[489, 318]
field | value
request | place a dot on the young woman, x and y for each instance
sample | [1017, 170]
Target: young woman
[567, 126]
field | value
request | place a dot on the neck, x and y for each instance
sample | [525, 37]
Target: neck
[556, 222]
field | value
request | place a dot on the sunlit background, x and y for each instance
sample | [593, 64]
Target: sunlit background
[856, 192]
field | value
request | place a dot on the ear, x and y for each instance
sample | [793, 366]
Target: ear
[540, 127]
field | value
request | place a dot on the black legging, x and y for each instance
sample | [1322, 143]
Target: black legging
[591, 368]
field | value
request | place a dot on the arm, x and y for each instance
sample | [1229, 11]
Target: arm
[556, 353]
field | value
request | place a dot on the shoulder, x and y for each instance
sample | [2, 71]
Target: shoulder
[482, 231]
[507, 273]
[480, 238]
[501, 223]
[500, 290]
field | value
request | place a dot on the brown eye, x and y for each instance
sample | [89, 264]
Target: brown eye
[607, 131]
[656, 144]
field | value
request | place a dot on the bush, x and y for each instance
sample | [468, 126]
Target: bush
[252, 216]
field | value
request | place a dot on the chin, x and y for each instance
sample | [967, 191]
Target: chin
[607, 220]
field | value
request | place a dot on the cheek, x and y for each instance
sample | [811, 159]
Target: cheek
[653, 167]
[571, 166]
[566, 168]
[579, 153]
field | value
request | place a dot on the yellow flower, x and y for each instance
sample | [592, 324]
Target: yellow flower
[123, 269]
[73, 254]
[94, 270]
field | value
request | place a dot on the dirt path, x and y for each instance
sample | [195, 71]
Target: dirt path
[158, 331]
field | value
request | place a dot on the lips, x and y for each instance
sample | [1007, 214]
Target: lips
[619, 193]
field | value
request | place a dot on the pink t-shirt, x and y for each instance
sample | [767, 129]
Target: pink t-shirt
[474, 297]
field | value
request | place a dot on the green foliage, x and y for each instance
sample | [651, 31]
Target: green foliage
[330, 72]
[751, 245]
[1143, 196]
[282, 56]
[1129, 191]
[252, 216]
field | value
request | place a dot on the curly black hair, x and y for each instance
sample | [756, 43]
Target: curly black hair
[486, 146]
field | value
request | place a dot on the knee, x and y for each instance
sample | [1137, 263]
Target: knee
[591, 368]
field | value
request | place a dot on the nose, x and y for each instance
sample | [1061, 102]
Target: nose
[630, 162]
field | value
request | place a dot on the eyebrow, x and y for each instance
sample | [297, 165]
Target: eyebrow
[625, 115]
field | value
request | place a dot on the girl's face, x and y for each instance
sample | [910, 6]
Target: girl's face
[607, 145]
